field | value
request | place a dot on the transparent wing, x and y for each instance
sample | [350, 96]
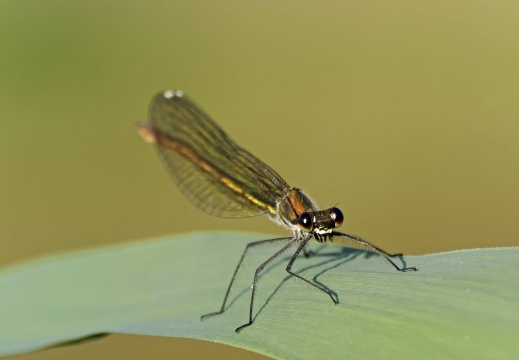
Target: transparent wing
[214, 173]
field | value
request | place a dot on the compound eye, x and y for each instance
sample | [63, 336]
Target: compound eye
[336, 216]
[305, 222]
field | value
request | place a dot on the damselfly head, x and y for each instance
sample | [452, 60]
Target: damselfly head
[320, 223]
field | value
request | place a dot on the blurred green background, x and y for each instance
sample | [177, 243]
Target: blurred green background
[404, 113]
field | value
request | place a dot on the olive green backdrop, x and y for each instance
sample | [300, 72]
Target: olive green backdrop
[404, 113]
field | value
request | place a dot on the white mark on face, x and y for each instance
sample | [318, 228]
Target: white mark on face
[323, 231]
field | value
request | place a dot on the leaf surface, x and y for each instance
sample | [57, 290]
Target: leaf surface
[460, 304]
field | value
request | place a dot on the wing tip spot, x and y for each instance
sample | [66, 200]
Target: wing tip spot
[169, 94]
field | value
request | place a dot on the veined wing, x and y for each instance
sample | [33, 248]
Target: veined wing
[212, 171]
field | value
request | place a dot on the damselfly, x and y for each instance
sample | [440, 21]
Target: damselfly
[223, 179]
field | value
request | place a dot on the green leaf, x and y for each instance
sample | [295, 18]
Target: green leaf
[461, 304]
